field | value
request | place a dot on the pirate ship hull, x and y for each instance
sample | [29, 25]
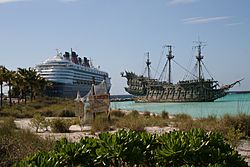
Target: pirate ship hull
[148, 90]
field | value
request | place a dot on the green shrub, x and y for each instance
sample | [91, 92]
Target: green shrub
[15, 144]
[240, 121]
[130, 148]
[126, 148]
[234, 136]
[37, 121]
[47, 113]
[164, 115]
[36, 105]
[196, 148]
[67, 113]
[60, 125]
[146, 114]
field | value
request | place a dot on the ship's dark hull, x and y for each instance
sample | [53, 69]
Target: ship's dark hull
[185, 91]
[180, 94]
[67, 90]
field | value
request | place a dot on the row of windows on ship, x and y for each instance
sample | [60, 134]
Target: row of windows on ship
[80, 68]
[183, 93]
[70, 72]
[82, 82]
[175, 91]
[70, 77]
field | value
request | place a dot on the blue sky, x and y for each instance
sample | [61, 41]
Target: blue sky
[116, 34]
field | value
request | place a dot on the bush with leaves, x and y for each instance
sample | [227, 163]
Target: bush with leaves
[126, 148]
[37, 121]
[164, 115]
[67, 113]
[240, 121]
[196, 148]
[60, 125]
[131, 148]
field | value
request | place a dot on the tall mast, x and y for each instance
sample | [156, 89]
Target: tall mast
[170, 57]
[199, 58]
[148, 64]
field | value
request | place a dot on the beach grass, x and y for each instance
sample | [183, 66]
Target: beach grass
[233, 127]
[16, 144]
[46, 106]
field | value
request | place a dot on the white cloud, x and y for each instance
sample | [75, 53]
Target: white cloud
[173, 2]
[9, 1]
[234, 24]
[204, 20]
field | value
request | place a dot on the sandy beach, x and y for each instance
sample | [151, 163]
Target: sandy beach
[76, 133]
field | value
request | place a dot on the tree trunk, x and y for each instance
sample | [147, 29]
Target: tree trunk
[18, 99]
[31, 94]
[25, 97]
[10, 94]
[1, 105]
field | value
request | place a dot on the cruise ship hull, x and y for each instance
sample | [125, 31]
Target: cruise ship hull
[67, 90]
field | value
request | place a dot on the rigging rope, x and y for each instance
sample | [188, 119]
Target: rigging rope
[185, 69]
[207, 70]
[189, 64]
[157, 72]
[217, 83]
[153, 69]
[163, 71]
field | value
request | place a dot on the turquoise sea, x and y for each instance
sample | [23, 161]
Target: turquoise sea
[230, 104]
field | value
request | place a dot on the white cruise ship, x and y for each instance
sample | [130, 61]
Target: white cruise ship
[70, 74]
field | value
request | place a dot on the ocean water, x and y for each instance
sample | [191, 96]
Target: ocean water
[232, 104]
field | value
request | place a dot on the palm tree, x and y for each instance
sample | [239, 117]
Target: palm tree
[10, 75]
[32, 79]
[18, 86]
[23, 85]
[41, 85]
[32, 82]
[3, 72]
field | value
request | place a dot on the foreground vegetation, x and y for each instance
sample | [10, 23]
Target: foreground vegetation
[46, 106]
[131, 148]
[15, 144]
[233, 127]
